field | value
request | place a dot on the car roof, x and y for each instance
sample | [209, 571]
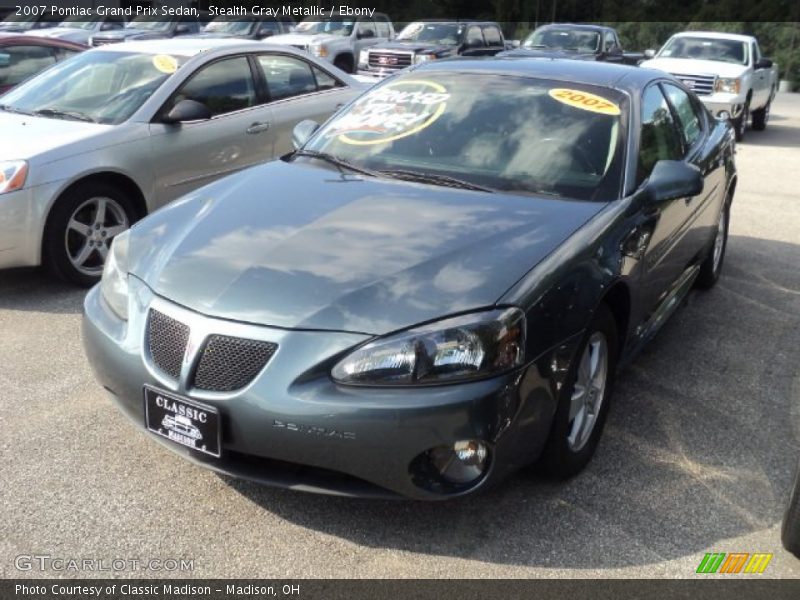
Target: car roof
[35, 40]
[181, 46]
[624, 77]
[717, 35]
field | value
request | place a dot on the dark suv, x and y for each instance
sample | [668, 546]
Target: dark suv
[422, 41]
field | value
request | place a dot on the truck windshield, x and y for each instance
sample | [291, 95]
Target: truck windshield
[515, 134]
[700, 48]
[330, 26]
[435, 33]
[577, 40]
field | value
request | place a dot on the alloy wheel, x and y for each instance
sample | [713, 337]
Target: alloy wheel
[719, 240]
[89, 232]
[589, 391]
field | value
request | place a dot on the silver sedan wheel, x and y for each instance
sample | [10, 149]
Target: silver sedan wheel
[589, 391]
[719, 241]
[89, 233]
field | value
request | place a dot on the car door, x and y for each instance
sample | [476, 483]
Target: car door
[365, 35]
[298, 90]
[665, 258]
[761, 78]
[188, 155]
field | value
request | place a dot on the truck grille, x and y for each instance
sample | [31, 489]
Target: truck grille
[390, 60]
[702, 85]
[167, 340]
[229, 363]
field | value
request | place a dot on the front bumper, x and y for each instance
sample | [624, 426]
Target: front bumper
[22, 216]
[285, 429]
[717, 103]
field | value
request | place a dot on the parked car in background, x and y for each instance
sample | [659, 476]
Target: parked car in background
[429, 40]
[436, 289]
[247, 27]
[578, 42]
[81, 29]
[23, 23]
[339, 38]
[98, 141]
[727, 72]
[22, 56]
[145, 28]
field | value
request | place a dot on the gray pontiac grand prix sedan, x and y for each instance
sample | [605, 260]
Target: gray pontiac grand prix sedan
[96, 142]
[435, 289]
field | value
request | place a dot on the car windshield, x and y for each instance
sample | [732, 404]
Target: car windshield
[99, 86]
[504, 132]
[148, 24]
[343, 27]
[435, 33]
[700, 48]
[578, 40]
[231, 25]
[78, 23]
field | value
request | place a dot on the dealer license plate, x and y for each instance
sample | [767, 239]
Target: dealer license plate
[183, 421]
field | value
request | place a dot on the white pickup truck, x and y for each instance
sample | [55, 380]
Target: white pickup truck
[725, 70]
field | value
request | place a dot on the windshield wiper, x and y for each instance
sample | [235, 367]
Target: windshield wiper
[335, 160]
[67, 114]
[435, 179]
[11, 109]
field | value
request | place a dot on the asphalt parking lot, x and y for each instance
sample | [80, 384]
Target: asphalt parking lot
[698, 454]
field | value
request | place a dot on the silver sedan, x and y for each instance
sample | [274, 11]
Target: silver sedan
[97, 142]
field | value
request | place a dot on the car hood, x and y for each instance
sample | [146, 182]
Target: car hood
[545, 53]
[299, 39]
[25, 137]
[414, 47]
[690, 66]
[301, 246]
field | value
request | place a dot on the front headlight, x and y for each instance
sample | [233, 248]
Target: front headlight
[421, 58]
[456, 349]
[114, 284]
[318, 50]
[728, 85]
[12, 175]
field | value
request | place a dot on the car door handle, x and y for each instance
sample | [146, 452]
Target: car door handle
[257, 128]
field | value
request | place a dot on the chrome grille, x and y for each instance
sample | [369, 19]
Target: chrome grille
[167, 340]
[230, 363]
[390, 60]
[702, 85]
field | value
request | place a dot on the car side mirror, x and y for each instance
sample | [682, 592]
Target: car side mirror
[365, 34]
[763, 63]
[265, 32]
[186, 111]
[182, 29]
[614, 50]
[302, 132]
[673, 179]
[649, 53]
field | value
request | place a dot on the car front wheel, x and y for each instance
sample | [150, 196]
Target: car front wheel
[584, 402]
[740, 124]
[80, 229]
[711, 267]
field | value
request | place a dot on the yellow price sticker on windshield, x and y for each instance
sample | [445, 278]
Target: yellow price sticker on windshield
[165, 63]
[584, 101]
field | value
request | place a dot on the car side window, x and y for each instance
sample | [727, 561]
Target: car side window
[688, 118]
[17, 63]
[610, 41]
[325, 81]
[492, 35]
[287, 76]
[474, 37]
[224, 86]
[65, 53]
[383, 27]
[365, 26]
[660, 137]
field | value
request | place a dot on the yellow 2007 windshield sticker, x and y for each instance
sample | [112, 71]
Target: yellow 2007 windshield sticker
[391, 112]
[165, 63]
[584, 101]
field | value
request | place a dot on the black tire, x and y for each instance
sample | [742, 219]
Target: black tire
[761, 117]
[711, 266]
[60, 238]
[790, 533]
[740, 124]
[560, 460]
[345, 63]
